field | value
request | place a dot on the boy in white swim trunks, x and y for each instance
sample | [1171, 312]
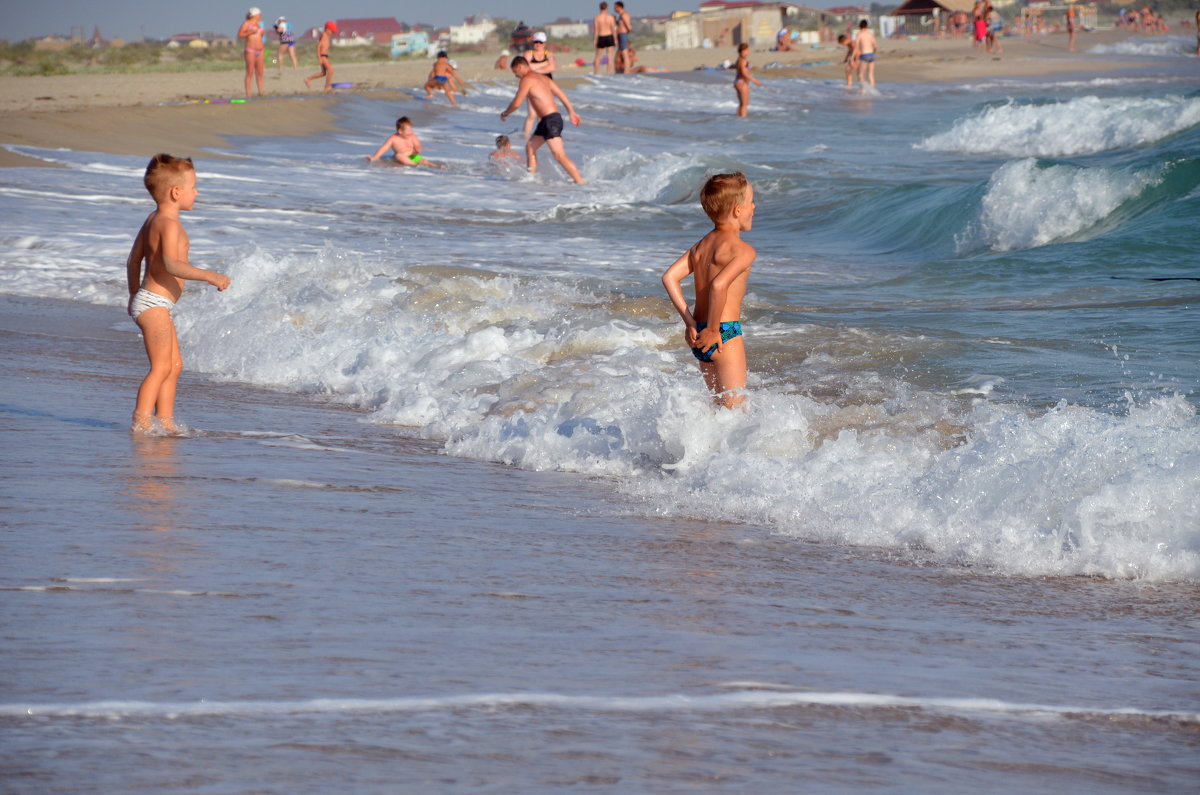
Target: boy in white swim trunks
[162, 243]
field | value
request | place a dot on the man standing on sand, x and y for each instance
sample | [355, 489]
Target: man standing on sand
[624, 28]
[542, 92]
[604, 38]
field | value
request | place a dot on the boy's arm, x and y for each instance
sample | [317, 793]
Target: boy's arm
[718, 292]
[522, 93]
[386, 146]
[562, 97]
[174, 259]
[133, 265]
[672, 280]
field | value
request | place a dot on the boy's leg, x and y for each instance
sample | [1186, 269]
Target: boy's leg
[726, 372]
[329, 77]
[165, 405]
[560, 154]
[450, 94]
[162, 348]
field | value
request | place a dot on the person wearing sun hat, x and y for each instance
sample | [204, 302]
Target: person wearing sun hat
[252, 31]
[541, 60]
[327, 34]
[287, 41]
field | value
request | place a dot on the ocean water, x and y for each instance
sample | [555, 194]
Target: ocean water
[456, 502]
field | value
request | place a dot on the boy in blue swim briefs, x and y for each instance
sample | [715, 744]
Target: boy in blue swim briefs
[443, 77]
[720, 267]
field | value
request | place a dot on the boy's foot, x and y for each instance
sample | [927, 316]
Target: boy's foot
[142, 423]
[307, 80]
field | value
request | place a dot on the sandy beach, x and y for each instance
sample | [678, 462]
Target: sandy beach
[140, 113]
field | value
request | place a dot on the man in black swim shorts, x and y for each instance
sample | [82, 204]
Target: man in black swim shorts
[549, 127]
[604, 37]
[543, 95]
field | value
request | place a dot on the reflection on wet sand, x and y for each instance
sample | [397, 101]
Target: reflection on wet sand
[153, 480]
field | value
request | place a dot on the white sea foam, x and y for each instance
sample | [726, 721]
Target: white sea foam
[1028, 204]
[1166, 46]
[738, 701]
[1083, 125]
[546, 375]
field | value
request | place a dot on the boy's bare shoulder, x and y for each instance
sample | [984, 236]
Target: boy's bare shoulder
[729, 247]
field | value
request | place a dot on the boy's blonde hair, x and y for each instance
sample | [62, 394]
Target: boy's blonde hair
[164, 172]
[501, 140]
[721, 193]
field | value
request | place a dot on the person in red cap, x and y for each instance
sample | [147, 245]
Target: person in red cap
[323, 56]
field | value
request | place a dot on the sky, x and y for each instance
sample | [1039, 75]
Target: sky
[132, 19]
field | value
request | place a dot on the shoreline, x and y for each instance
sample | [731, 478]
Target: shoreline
[143, 113]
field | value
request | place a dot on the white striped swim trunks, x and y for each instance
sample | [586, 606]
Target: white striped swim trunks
[146, 299]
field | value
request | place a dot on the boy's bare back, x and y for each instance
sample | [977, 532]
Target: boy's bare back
[719, 264]
[716, 251]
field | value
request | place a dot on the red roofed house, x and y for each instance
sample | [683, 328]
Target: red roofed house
[361, 31]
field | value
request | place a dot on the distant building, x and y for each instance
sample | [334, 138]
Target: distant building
[916, 17]
[186, 39]
[656, 25]
[564, 28]
[52, 43]
[411, 43]
[360, 31]
[728, 23]
[474, 30]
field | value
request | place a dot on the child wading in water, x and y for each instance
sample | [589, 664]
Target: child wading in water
[405, 146]
[741, 83]
[162, 243]
[443, 77]
[720, 267]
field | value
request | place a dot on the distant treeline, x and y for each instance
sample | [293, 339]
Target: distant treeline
[22, 59]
